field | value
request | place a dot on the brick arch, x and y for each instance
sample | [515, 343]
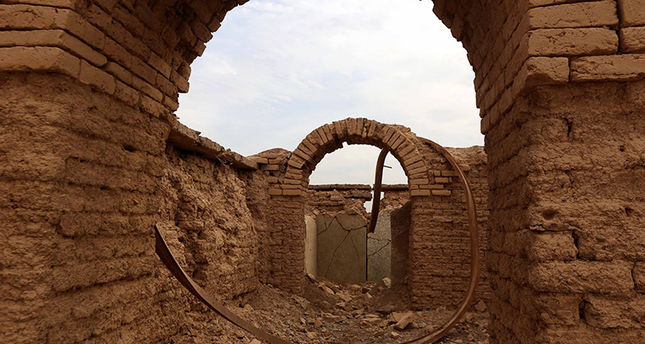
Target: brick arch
[400, 141]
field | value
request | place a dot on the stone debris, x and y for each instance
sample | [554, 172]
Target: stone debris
[480, 306]
[316, 318]
[402, 320]
[387, 282]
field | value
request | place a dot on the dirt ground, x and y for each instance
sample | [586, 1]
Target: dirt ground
[339, 314]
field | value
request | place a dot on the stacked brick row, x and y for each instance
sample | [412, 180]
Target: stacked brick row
[439, 256]
[326, 139]
[337, 198]
[82, 184]
[138, 51]
[563, 258]
[532, 43]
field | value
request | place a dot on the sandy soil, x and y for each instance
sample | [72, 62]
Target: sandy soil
[339, 314]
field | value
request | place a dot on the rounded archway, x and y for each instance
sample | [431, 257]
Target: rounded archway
[400, 141]
[289, 180]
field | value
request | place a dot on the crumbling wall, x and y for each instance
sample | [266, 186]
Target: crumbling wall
[400, 225]
[548, 264]
[338, 198]
[207, 203]
[572, 257]
[395, 196]
[83, 183]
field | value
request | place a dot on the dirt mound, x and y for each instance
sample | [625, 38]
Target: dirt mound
[332, 313]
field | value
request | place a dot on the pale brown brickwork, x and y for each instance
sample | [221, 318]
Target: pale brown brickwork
[439, 251]
[437, 231]
[91, 86]
[548, 70]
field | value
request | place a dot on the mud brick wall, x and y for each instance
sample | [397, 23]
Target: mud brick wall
[289, 180]
[395, 195]
[338, 198]
[208, 205]
[555, 277]
[567, 266]
[279, 262]
[439, 258]
[138, 51]
[439, 249]
[400, 224]
[82, 184]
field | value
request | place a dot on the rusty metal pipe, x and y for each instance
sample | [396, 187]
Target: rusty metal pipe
[161, 247]
[378, 181]
[474, 251]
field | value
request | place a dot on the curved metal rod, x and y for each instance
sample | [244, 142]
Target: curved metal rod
[161, 247]
[474, 251]
[378, 181]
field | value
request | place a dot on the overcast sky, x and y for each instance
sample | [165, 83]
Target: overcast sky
[277, 69]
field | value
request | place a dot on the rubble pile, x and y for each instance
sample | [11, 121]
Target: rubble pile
[333, 313]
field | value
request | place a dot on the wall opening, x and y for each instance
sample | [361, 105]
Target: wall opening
[337, 214]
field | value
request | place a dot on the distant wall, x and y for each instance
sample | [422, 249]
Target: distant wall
[311, 245]
[342, 247]
[427, 241]
[379, 248]
[400, 225]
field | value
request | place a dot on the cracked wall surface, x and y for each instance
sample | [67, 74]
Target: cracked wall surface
[379, 249]
[342, 247]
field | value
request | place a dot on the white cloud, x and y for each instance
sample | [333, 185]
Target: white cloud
[278, 69]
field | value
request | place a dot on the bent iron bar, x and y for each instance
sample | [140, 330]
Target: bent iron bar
[474, 251]
[171, 263]
[378, 182]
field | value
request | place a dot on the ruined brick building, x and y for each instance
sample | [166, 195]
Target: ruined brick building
[92, 157]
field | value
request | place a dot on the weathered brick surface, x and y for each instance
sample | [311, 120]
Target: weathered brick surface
[639, 276]
[614, 67]
[93, 76]
[609, 313]
[579, 14]
[631, 12]
[82, 194]
[632, 39]
[39, 59]
[572, 42]
[439, 257]
[545, 71]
